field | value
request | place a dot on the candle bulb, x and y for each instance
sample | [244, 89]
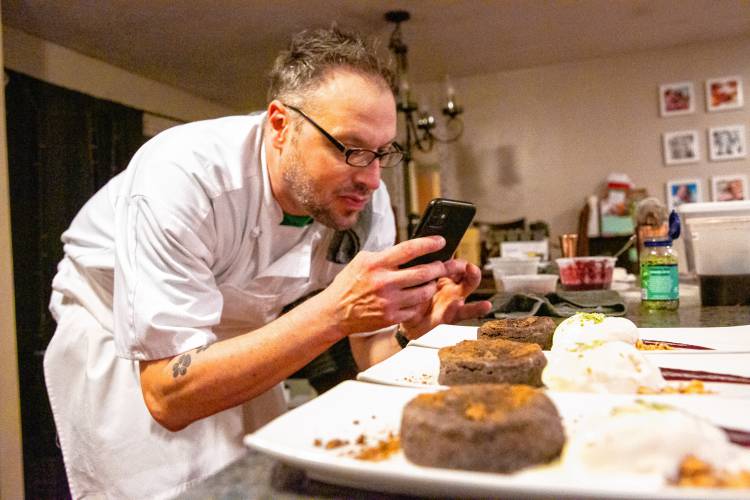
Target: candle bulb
[450, 109]
[404, 92]
[449, 90]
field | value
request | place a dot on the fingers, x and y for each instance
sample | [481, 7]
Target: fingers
[410, 249]
[416, 295]
[472, 278]
[460, 270]
[473, 310]
[418, 275]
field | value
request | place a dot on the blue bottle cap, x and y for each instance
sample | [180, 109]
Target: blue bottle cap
[657, 243]
[674, 225]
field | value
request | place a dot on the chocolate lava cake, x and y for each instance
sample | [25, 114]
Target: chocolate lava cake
[483, 427]
[535, 329]
[491, 361]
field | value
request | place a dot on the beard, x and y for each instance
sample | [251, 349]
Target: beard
[310, 193]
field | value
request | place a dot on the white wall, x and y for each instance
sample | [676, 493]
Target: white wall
[63, 67]
[11, 458]
[538, 141]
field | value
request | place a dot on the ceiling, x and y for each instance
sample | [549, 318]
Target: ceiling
[221, 49]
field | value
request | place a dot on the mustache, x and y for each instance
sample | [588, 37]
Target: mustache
[356, 190]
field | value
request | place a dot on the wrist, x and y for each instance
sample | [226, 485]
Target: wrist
[401, 337]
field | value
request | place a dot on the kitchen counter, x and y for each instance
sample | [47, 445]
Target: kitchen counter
[259, 476]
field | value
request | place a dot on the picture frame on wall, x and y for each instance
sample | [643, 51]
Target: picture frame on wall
[729, 187]
[724, 93]
[676, 99]
[680, 191]
[681, 147]
[726, 142]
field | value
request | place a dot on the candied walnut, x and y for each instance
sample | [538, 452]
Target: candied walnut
[655, 346]
[476, 411]
[382, 450]
[336, 443]
[696, 473]
[692, 387]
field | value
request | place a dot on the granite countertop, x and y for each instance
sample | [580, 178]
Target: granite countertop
[259, 476]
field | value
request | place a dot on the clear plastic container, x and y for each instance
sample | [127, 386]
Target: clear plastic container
[503, 266]
[535, 283]
[586, 273]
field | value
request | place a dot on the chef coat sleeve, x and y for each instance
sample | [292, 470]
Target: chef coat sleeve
[166, 299]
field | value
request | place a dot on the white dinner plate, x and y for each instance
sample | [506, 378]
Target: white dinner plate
[720, 338]
[420, 366]
[356, 410]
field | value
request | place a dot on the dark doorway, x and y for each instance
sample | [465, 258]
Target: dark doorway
[62, 147]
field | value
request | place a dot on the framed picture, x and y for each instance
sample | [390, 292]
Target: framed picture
[681, 147]
[681, 191]
[726, 143]
[676, 99]
[729, 187]
[724, 93]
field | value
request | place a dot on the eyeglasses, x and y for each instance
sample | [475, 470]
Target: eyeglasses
[358, 157]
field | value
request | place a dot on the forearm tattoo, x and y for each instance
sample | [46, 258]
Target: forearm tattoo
[181, 365]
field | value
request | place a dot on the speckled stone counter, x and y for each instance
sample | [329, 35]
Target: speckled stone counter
[690, 312]
[259, 476]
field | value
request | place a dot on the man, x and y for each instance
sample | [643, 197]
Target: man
[169, 298]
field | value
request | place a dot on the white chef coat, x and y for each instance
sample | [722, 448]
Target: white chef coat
[181, 249]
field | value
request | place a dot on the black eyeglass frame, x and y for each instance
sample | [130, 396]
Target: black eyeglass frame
[348, 152]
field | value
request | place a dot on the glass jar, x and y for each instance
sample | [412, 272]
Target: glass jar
[660, 287]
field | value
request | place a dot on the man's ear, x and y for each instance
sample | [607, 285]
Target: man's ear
[279, 123]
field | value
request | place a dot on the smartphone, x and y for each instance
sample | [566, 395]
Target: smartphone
[447, 218]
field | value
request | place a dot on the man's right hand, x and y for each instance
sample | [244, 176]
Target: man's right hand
[372, 292]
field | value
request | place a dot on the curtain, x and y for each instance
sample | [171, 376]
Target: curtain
[62, 147]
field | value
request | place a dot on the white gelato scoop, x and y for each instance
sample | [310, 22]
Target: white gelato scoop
[604, 367]
[585, 328]
[649, 438]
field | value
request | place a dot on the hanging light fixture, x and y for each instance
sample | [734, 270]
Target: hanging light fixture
[420, 133]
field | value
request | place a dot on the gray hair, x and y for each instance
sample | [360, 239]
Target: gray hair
[312, 54]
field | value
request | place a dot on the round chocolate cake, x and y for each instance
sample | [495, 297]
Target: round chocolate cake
[483, 427]
[489, 361]
[535, 329]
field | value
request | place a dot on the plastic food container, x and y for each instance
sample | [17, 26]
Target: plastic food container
[586, 273]
[505, 266]
[721, 253]
[535, 283]
[707, 222]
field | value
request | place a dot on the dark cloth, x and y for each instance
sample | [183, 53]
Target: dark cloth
[561, 304]
[346, 243]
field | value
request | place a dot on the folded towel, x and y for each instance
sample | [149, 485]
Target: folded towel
[562, 304]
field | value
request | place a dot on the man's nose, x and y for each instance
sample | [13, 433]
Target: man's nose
[370, 175]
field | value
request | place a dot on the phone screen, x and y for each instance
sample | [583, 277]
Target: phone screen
[447, 218]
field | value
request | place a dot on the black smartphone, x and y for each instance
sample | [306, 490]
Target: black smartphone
[447, 218]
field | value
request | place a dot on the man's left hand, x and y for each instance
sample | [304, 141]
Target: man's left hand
[448, 304]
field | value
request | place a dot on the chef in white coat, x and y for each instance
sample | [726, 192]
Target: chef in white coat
[170, 342]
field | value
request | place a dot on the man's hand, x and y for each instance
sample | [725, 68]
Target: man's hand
[372, 292]
[448, 304]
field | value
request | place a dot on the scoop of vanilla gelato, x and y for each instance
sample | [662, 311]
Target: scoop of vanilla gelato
[649, 438]
[584, 328]
[599, 366]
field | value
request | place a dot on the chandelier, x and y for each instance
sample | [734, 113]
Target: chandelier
[420, 124]
[420, 133]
